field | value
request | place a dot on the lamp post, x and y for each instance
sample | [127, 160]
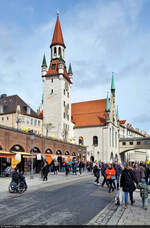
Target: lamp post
[32, 139]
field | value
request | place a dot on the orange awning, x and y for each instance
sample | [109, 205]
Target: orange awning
[6, 154]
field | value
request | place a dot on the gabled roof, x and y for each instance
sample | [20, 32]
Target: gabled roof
[54, 71]
[10, 103]
[57, 36]
[89, 113]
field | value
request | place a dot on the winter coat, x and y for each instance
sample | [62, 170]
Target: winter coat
[143, 172]
[137, 174]
[127, 180]
[103, 170]
[144, 190]
[45, 170]
[96, 171]
[110, 172]
[118, 169]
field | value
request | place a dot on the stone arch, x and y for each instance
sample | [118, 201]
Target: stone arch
[35, 150]
[67, 153]
[58, 152]
[73, 154]
[92, 158]
[48, 151]
[1, 148]
[17, 148]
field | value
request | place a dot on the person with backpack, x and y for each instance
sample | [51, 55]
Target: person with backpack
[127, 182]
[96, 172]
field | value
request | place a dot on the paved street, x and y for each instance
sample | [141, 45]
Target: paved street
[68, 203]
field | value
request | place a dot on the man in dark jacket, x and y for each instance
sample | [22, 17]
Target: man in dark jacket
[96, 172]
[103, 169]
[127, 183]
[45, 171]
[118, 173]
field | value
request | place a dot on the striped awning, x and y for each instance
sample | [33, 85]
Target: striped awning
[6, 154]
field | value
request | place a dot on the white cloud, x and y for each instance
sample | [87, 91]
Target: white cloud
[100, 38]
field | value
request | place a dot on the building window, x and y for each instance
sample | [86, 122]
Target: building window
[2, 118]
[95, 140]
[68, 94]
[64, 115]
[67, 117]
[28, 121]
[7, 118]
[59, 51]
[64, 104]
[131, 143]
[53, 66]
[51, 92]
[35, 122]
[112, 137]
[64, 92]
[81, 140]
[31, 121]
[68, 106]
[39, 123]
[138, 143]
[116, 139]
[52, 80]
[123, 143]
[55, 51]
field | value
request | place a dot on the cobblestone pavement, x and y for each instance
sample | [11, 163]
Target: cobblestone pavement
[118, 215]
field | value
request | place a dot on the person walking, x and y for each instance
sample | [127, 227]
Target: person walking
[96, 172]
[56, 165]
[127, 183]
[80, 167]
[45, 171]
[144, 191]
[137, 172]
[118, 171]
[67, 168]
[103, 172]
[110, 172]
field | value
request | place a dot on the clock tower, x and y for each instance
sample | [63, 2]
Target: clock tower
[57, 84]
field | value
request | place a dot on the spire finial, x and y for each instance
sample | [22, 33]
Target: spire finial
[57, 12]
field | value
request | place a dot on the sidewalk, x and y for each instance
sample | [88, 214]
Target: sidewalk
[37, 183]
[118, 215]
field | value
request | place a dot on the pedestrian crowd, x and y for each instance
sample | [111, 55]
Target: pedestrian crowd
[125, 178]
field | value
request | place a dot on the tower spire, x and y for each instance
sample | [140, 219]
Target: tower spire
[113, 85]
[57, 36]
[107, 104]
[44, 64]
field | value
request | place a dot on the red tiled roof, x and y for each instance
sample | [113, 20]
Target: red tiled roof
[89, 113]
[55, 71]
[122, 121]
[57, 36]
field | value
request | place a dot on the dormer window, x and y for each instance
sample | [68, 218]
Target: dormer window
[28, 110]
[59, 51]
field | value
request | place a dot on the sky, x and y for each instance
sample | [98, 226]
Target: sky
[101, 37]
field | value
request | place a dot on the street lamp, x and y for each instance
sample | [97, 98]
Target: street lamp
[31, 173]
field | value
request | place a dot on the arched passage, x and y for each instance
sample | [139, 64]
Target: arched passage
[58, 152]
[48, 151]
[67, 153]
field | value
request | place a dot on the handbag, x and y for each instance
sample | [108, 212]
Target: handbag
[112, 178]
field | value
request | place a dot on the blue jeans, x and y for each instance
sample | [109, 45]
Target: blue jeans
[126, 197]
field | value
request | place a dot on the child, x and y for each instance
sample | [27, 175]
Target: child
[144, 191]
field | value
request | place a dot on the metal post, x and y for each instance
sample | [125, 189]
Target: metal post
[32, 138]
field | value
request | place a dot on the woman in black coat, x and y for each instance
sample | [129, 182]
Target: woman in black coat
[127, 183]
[45, 171]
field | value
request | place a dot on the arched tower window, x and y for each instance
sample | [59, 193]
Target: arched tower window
[59, 51]
[95, 140]
[55, 51]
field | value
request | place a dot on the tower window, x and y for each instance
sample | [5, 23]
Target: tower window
[51, 92]
[59, 51]
[64, 104]
[53, 66]
[64, 92]
[55, 51]
[95, 140]
[64, 115]
[68, 94]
